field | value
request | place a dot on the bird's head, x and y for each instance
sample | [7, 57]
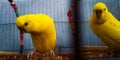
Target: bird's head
[24, 23]
[100, 9]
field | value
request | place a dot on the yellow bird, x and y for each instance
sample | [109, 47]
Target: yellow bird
[42, 30]
[105, 26]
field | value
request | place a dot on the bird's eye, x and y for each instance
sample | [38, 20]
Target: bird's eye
[104, 9]
[26, 24]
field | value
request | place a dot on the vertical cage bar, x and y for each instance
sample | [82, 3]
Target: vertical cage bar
[77, 37]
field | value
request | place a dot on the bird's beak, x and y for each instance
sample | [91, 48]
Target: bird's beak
[98, 13]
[21, 29]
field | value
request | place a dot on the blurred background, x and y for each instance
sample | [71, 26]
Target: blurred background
[57, 9]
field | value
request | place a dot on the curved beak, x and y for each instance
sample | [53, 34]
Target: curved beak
[98, 13]
[21, 29]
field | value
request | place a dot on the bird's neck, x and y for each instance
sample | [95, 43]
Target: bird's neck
[99, 21]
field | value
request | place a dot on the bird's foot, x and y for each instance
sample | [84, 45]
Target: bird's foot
[52, 55]
[32, 55]
[110, 53]
[49, 53]
[106, 52]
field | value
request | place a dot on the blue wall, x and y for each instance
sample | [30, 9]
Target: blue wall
[57, 9]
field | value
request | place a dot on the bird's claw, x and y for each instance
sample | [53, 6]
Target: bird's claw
[32, 54]
[49, 53]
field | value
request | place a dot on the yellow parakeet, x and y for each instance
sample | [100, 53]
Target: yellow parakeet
[42, 30]
[105, 26]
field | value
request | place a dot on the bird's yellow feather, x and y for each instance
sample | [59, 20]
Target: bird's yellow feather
[107, 27]
[42, 30]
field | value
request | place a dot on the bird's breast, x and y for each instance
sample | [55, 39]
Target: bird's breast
[43, 43]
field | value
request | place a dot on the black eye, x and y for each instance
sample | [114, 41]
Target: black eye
[104, 9]
[26, 24]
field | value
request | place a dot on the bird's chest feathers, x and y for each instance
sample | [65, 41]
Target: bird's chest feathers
[101, 20]
[108, 27]
[98, 27]
[41, 38]
[40, 42]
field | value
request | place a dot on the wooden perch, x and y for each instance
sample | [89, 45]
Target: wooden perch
[86, 52]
